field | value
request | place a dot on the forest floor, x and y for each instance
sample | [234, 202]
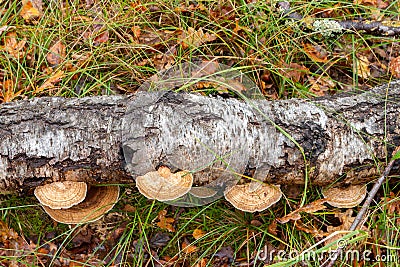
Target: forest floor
[85, 48]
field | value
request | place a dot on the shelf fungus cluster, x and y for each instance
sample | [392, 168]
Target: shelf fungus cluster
[76, 202]
[163, 185]
[256, 196]
[348, 197]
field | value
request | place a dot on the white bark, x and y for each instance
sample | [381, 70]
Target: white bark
[51, 139]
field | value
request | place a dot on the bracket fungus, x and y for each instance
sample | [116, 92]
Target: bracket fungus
[254, 196]
[163, 185]
[348, 197]
[61, 202]
[61, 195]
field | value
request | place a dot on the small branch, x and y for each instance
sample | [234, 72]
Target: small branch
[366, 205]
[376, 28]
[372, 27]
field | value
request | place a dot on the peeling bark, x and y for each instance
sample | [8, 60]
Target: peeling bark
[112, 139]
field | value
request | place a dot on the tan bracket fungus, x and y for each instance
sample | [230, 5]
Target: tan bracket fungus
[254, 196]
[163, 185]
[97, 201]
[348, 197]
[61, 195]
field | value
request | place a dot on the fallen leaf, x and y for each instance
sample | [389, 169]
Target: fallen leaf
[162, 61]
[394, 67]
[82, 59]
[193, 38]
[137, 6]
[201, 263]
[198, 233]
[56, 53]
[239, 28]
[314, 206]
[6, 233]
[8, 93]
[273, 228]
[187, 248]
[375, 3]
[136, 31]
[346, 220]
[165, 222]
[13, 47]
[393, 204]
[76, 264]
[300, 226]
[256, 223]
[366, 2]
[293, 216]
[31, 9]
[310, 208]
[315, 52]
[15, 247]
[320, 85]
[293, 71]
[50, 82]
[363, 69]
[101, 38]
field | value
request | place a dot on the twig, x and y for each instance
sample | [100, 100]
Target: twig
[376, 28]
[367, 202]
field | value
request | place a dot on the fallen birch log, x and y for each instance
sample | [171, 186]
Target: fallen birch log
[113, 139]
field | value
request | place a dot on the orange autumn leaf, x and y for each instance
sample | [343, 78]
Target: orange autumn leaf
[320, 85]
[101, 38]
[14, 47]
[375, 3]
[201, 263]
[76, 264]
[273, 228]
[50, 82]
[56, 53]
[137, 6]
[394, 67]
[7, 233]
[198, 233]
[136, 31]
[315, 53]
[187, 248]
[165, 222]
[195, 38]
[31, 9]
[7, 92]
[362, 64]
[392, 204]
[314, 206]
[308, 229]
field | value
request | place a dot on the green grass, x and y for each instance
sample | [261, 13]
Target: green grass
[252, 37]
[223, 226]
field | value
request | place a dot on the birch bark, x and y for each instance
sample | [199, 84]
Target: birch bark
[112, 139]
